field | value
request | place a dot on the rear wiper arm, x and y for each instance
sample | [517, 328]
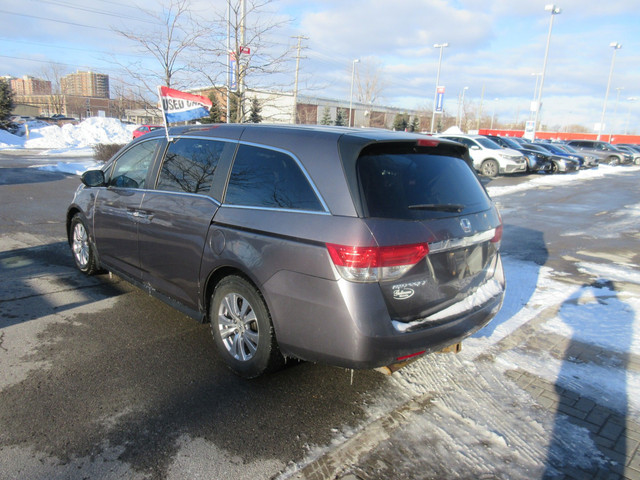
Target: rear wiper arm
[439, 207]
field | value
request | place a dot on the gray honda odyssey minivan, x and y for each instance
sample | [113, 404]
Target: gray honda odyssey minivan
[353, 247]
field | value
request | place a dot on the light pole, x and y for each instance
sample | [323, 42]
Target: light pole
[441, 46]
[626, 126]
[616, 46]
[459, 119]
[555, 10]
[353, 74]
[535, 94]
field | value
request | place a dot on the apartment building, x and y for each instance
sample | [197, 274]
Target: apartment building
[28, 85]
[85, 84]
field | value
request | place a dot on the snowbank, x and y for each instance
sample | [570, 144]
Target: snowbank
[70, 139]
[7, 140]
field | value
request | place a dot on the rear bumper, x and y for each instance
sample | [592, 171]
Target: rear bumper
[348, 325]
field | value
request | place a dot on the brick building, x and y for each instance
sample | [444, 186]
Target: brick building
[28, 85]
[85, 84]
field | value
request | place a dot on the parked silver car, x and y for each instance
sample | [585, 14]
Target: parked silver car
[605, 152]
[489, 158]
[357, 248]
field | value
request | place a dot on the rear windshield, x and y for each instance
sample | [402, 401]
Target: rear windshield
[412, 183]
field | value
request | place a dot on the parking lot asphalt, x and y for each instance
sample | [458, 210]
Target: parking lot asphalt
[99, 380]
[381, 450]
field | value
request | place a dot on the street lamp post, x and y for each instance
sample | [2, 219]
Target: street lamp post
[616, 46]
[441, 46]
[353, 74]
[555, 10]
[535, 95]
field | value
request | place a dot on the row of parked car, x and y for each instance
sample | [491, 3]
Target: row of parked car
[494, 155]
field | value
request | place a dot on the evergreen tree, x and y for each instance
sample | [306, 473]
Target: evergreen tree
[215, 114]
[340, 120]
[6, 103]
[400, 122]
[254, 113]
[415, 124]
[234, 101]
[326, 117]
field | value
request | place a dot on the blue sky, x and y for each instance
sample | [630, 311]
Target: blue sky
[496, 45]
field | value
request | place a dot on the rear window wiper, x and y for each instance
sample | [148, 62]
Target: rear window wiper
[438, 207]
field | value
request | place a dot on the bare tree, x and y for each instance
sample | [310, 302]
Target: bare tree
[369, 81]
[53, 72]
[169, 42]
[258, 59]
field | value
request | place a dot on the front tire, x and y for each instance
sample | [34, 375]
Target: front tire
[242, 329]
[613, 160]
[489, 168]
[82, 248]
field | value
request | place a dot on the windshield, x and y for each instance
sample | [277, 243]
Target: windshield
[401, 183]
[510, 143]
[568, 148]
[553, 148]
[486, 143]
[537, 148]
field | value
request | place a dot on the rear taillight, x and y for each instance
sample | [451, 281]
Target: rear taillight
[373, 264]
[498, 235]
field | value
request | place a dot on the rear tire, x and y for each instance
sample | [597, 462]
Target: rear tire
[489, 168]
[242, 329]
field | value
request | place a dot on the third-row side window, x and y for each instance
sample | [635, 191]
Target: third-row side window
[270, 179]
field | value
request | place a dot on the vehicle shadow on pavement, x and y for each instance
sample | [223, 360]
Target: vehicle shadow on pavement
[20, 175]
[42, 280]
[140, 385]
[591, 386]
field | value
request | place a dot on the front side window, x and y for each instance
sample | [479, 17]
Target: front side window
[412, 183]
[269, 179]
[189, 165]
[130, 169]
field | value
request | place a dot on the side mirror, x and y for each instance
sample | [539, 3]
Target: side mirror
[93, 178]
[475, 147]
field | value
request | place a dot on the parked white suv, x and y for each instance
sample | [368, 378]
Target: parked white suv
[489, 158]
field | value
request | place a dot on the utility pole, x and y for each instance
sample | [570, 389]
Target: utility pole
[228, 55]
[241, 69]
[294, 113]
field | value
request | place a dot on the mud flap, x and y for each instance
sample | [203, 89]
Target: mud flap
[394, 367]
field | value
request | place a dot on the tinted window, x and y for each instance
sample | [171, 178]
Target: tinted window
[130, 169]
[271, 179]
[411, 183]
[189, 165]
[486, 143]
[464, 141]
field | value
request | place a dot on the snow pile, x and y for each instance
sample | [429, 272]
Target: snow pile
[69, 138]
[8, 140]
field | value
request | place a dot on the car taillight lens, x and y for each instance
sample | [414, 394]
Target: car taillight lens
[373, 264]
[497, 237]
